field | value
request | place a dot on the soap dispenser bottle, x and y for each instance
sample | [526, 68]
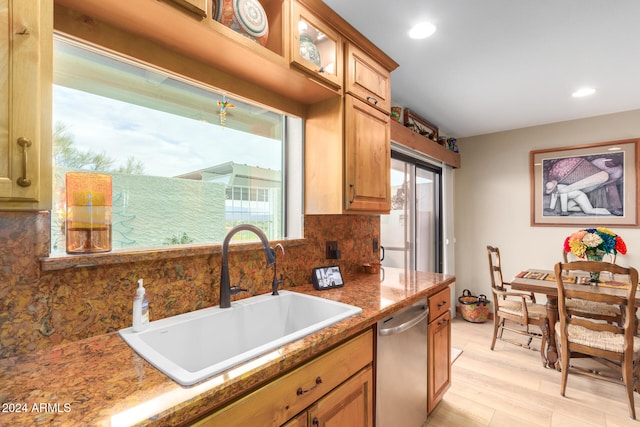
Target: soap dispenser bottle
[140, 309]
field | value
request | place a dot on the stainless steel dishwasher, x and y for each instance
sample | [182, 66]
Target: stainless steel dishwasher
[401, 392]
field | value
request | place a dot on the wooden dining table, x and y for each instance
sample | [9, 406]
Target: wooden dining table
[543, 282]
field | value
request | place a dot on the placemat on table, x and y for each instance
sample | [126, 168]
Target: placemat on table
[618, 284]
[533, 275]
[565, 278]
[551, 277]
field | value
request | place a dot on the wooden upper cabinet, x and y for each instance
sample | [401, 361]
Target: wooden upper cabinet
[347, 140]
[367, 143]
[367, 79]
[199, 7]
[367, 158]
[161, 31]
[301, 69]
[315, 47]
[25, 99]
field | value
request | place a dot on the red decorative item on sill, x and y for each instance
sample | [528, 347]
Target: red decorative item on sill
[246, 17]
[88, 223]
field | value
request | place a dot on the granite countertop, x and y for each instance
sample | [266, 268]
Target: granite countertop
[101, 381]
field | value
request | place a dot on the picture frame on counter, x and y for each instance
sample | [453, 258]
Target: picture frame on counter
[419, 125]
[591, 184]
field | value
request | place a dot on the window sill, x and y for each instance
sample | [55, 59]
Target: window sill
[121, 256]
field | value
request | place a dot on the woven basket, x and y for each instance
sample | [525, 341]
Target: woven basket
[474, 309]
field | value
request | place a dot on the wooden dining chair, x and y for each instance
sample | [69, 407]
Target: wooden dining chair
[593, 309]
[614, 345]
[514, 306]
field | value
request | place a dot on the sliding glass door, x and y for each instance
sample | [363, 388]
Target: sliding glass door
[412, 233]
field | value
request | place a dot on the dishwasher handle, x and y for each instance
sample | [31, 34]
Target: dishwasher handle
[424, 312]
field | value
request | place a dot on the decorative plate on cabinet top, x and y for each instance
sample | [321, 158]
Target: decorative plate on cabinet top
[246, 17]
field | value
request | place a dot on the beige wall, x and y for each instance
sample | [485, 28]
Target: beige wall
[492, 198]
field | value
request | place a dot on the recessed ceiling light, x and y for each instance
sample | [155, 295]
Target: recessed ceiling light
[585, 91]
[422, 30]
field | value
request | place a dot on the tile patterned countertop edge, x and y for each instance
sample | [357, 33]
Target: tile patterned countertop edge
[101, 381]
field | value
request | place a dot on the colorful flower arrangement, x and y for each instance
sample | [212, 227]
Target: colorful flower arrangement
[594, 243]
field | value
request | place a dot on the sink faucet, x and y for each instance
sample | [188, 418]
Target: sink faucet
[276, 282]
[225, 286]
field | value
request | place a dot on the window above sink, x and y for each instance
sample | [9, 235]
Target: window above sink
[188, 162]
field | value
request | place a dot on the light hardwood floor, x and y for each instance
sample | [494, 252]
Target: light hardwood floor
[508, 387]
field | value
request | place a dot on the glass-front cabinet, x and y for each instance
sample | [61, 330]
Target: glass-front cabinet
[315, 47]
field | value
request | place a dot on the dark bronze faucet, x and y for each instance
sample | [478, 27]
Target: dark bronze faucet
[276, 282]
[225, 286]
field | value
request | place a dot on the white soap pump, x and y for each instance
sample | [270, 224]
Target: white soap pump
[140, 309]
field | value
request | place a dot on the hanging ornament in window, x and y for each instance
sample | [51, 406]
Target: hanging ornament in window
[224, 106]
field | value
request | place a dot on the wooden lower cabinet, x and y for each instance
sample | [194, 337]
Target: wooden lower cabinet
[334, 389]
[301, 420]
[439, 377]
[350, 404]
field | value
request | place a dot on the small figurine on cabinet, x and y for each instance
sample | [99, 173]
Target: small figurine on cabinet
[396, 113]
[452, 144]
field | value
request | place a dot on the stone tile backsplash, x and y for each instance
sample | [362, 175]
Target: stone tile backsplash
[40, 309]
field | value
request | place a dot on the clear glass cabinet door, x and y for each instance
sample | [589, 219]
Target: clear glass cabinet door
[316, 48]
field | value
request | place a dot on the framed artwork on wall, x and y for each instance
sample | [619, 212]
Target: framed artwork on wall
[420, 125]
[592, 185]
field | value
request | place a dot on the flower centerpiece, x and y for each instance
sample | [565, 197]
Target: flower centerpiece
[593, 243]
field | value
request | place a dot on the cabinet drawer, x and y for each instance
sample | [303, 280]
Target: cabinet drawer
[279, 401]
[439, 303]
[367, 79]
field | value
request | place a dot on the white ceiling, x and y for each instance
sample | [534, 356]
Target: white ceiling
[495, 65]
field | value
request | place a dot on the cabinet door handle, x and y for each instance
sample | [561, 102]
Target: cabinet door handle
[442, 304]
[301, 391]
[23, 181]
[353, 193]
[321, 70]
[372, 99]
[315, 422]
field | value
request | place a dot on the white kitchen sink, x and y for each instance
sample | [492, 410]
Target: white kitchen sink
[194, 346]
